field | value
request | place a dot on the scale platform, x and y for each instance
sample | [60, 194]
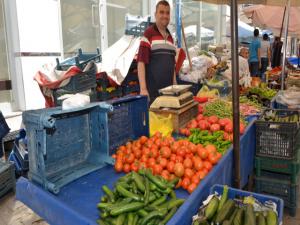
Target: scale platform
[171, 101]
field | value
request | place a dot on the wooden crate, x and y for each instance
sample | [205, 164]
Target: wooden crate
[181, 116]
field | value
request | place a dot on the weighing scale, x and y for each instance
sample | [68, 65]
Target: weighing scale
[174, 96]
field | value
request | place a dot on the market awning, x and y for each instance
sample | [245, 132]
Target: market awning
[272, 16]
[262, 2]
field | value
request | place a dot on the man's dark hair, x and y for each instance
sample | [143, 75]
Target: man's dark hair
[266, 37]
[162, 2]
[256, 33]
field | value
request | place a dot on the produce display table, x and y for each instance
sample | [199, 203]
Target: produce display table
[76, 202]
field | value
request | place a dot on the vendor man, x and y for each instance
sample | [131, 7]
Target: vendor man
[156, 56]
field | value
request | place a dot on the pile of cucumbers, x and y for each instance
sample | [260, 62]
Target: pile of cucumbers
[275, 116]
[225, 211]
[139, 198]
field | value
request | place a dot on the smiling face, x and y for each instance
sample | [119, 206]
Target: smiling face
[162, 15]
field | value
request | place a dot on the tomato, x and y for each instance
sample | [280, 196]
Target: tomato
[151, 162]
[191, 187]
[158, 134]
[225, 136]
[201, 174]
[187, 163]
[144, 158]
[207, 165]
[146, 151]
[170, 166]
[165, 174]
[154, 152]
[179, 169]
[192, 147]
[193, 124]
[126, 168]
[187, 132]
[134, 166]
[114, 156]
[122, 148]
[195, 179]
[199, 117]
[143, 139]
[137, 153]
[163, 162]
[173, 157]
[142, 165]
[200, 108]
[198, 164]
[202, 152]
[228, 128]
[212, 157]
[174, 147]
[219, 155]
[149, 143]
[223, 122]
[213, 119]
[118, 166]
[210, 148]
[242, 128]
[181, 151]
[165, 152]
[158, 142]
[188, 173]
[203, 125]
[157, 169]
[215, 127]
[129, 158]
[185, 182]
[179, 159]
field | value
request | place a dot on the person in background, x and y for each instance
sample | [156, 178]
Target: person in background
[265, 56]
[276, 52]
[156, 56]
[254, 55]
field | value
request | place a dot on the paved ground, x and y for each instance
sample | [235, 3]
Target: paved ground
[13, 212]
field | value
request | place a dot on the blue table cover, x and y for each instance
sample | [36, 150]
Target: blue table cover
[76, 202]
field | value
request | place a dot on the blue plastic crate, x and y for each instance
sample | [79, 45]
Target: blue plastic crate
[21, 152]
[236, 193]
[80, 60]
[64, 145]
[18, 168]
[7, 178]
[4, 129]
[128, 121]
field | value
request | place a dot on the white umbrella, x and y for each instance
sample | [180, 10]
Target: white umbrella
[272, 16]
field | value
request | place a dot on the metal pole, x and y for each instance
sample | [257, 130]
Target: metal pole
[286, 26]
[235, 91]
[178, 21]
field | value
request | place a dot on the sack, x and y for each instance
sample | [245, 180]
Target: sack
[159, 123]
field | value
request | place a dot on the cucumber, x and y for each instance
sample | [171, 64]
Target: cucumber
[233, 215]
[272, 218]
[211, 208]
[226, 222]
[223, 198]
[260, 219]
[238, 219]
[226, 211]
[249, 215]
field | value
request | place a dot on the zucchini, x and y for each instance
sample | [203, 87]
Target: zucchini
[238, 219]
[224, 197]
[226, 211]
[272, 218]
[260, 219]
[233, 215]
[226, 222]
[211, 208]
[249, 215]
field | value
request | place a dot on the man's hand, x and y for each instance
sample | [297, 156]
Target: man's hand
[144, 92]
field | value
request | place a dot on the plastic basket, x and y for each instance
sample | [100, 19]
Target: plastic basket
[291, 167]
[64, 145]
[7, 178]
[4, 129]
[80, 60]
[21, 152]
[277, 139]
[128, 121]
[279, 185]
[237, 193]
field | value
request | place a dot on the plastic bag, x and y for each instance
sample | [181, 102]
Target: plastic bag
[74, 101]
[163, 124]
